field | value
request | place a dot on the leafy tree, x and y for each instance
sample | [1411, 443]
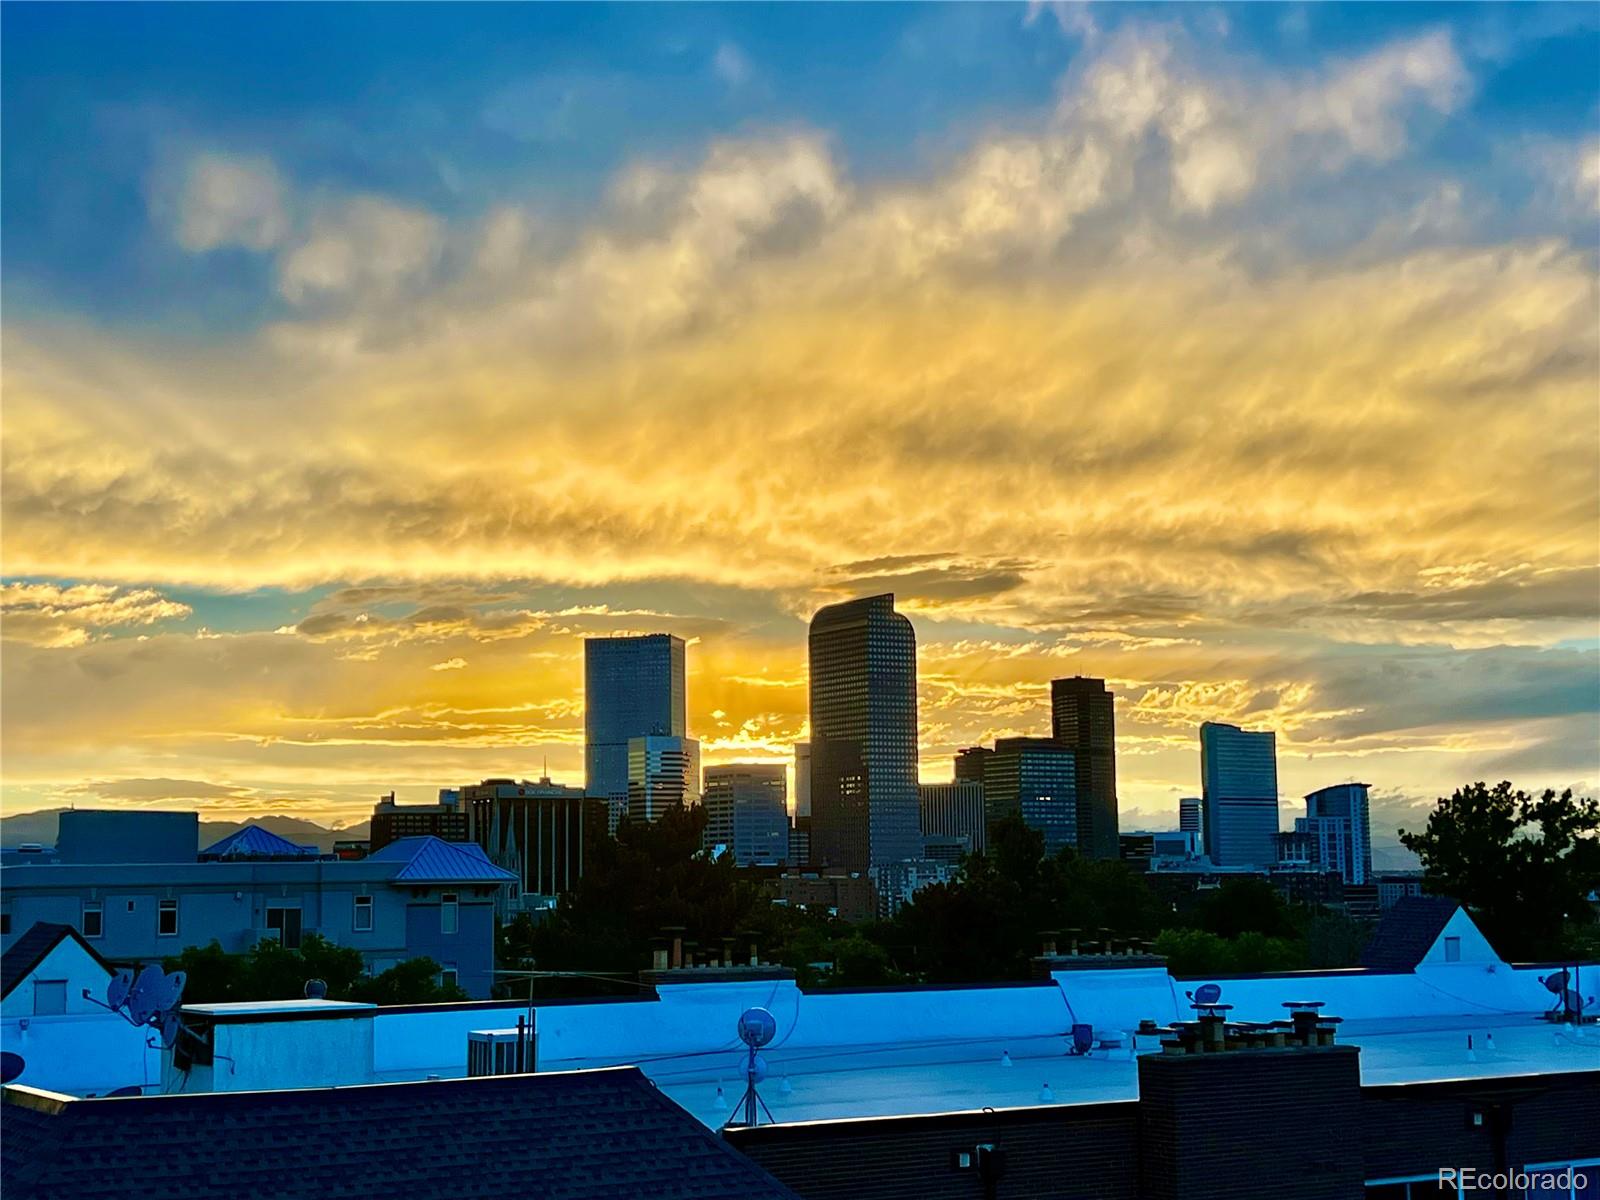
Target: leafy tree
[1201, 952]
[1242, 906]
[1525, 864]
[1334, 940]
[415, 981]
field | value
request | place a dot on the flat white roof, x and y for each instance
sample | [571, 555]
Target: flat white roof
[266, 1007]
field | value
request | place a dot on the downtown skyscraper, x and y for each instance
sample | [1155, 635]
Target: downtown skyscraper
[864, 809]
[1239, 795]
[632, 688]
[1082, 718]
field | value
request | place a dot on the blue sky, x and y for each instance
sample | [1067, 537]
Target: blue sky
[359, 360]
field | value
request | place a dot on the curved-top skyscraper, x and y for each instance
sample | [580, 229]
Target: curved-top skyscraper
[863, 736]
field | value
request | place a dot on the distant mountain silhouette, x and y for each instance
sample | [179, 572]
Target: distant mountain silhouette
[41, 827]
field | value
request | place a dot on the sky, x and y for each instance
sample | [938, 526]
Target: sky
[359, 361]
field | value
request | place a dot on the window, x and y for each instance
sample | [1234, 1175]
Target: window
[1578, 1180]
[362, 921]
[1452, 949]
[49, 997]
[94, 919]
[5, 924]
[1410, 1189]
[448, 977]
[130, 905]
[166, 918]
[286, 921]
[449, 913]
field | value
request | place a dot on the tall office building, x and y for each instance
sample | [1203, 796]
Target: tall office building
[1082, 718]
[968, 765]
[632, 687]
[1036, 779]
[863, 736]
[747, 810]
[1191, 818]
[955, 810]
[1239, 795]
[663, 774]
[802, 779]
[1338, 823]
[545, 832]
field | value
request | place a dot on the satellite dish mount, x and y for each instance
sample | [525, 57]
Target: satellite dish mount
[757, 1027]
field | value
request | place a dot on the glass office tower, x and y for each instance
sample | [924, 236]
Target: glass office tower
[1239, 795]
[1082, 713]
[632, 687]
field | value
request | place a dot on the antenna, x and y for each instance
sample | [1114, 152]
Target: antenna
[149, 1000]
[11, 1066]
[757, 1027]
[316, 989]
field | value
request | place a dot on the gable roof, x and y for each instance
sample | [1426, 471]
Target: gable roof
[434, 860]
[579, 1135]
[254, 841]
[29, 950]
[1407, 932]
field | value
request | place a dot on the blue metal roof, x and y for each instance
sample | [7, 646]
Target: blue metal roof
[434, 860]
[255, 842]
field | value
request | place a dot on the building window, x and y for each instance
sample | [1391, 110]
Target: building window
[130, 905]
[49, 997]
[362, 923]
[1411, 1189]
[94, 919]
[1452, 949]
[1578, 1180]
[286, 922]
[166, 918]
[448, 977]
[5, 924]
[449, 913]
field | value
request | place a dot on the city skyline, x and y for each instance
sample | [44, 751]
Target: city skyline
[1241, 357]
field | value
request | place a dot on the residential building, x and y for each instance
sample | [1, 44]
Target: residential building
[954, 810]
[1082, 718]
[896, 883]
[747, 810]
[1239, 794]
[945, 848]
[663, 773]
[1338, 822]
[863, 667]
[802, 779]
[412, 898]
[46, 972]
[1036, 779]
[446, 820]
[849, 897]
[632, 687]
[545, 833]
[1191, 817]
[255, 843]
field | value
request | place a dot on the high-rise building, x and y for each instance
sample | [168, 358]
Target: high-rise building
[1191, 818]
[1338, 823]
[663, 774]
[802, 779]
[390, 821]
[747, 810]
[1082, 718]
[863, 736]
[968, 765]
[1036, 779]
[545, 832]
[1239, 794]
[632, 687]
[954, 810]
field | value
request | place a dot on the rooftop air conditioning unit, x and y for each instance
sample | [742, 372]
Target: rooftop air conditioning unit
[502, 1051]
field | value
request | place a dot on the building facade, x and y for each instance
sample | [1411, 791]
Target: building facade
[419, 897]
[863, 666]
[446, 820]
[1338, 823]
[747, 810]
[968, 765]
[1083, 718]
[1035, 779]
[544, 833]
[954, 810]
[1239, 795]
[632, 687]
[663, 774]
[1191, 817]
[802, 779]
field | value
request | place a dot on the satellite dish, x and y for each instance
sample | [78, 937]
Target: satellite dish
[11, 1066]
[758, 1069]
[133, 1089]
[169, 1029]
[119, 987]
[170, 991]
[316, 989]
[757, 1027]
[144, 998]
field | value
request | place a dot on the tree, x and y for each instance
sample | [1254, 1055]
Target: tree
[1524, 864]
[271, 971]
[1242, 906]
[415, 981]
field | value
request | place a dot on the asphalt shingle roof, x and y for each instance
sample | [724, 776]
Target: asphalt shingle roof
[1407, 932]
[434, 860]
[28, 951]
[255, 842]
[581, 1135]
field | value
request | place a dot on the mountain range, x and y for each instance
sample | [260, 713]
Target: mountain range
[41, 827]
